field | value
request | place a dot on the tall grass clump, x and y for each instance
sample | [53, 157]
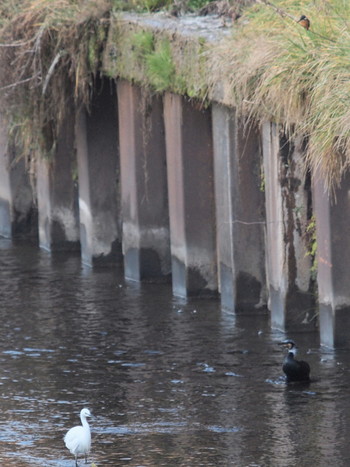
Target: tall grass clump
[160, 67]
[279, 71]
[49, 54]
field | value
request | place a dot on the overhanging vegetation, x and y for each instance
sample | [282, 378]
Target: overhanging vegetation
[49, 52]
[279, 71]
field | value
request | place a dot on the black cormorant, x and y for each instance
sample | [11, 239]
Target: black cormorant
[295, 370]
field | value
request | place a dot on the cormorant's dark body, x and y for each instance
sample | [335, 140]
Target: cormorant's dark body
[295, 370]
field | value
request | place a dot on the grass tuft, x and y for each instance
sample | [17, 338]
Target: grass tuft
[50, 52]
[279, 71]
[160, 67]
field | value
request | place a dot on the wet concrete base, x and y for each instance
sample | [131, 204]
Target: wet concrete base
[144, 265]
[340, 322]
[98, 259]
[334, 327]
[227, 287]
[23, 205]
[301, 315]
[250, 292]
[5, 219]
[189, 282]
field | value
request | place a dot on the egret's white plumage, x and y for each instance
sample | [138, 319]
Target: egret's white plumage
[78, 438]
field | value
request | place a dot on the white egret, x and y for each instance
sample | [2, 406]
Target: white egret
[78, 438]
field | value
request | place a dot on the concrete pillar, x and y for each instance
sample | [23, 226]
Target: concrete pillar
[291, 300]
[191, 196]
[98, 170]
[18, 213]
[5, 189]
[240, 219]
[146, 244]
[332, 214]
[57, 192]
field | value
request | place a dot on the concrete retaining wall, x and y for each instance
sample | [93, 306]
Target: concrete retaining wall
[169, 188]
[172, 189]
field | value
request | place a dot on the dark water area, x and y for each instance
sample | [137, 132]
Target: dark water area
[170, 383]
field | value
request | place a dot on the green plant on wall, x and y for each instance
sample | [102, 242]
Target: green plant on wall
[311, 240]
[155, 58]
[262, 179]
[160, 66]
[143, 44]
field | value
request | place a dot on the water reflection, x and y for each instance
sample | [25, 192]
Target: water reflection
[170, 383]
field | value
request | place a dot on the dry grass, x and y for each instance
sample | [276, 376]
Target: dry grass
[50, 51]
[279, 71]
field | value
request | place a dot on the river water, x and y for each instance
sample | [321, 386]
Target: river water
[170, 383]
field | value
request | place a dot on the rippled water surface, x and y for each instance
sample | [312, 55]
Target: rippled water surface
[170, 383]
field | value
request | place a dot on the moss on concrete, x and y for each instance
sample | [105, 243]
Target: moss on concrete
[161, 57]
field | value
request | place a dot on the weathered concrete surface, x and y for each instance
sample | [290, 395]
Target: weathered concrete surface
[98, 169]
[146, 243]
[191, 196]
[57, 193]
[18, 213]
[24, 211]
[240, 217]
[288, 266]
[249, 221]
[188, 37]
[333, 258]
[224, 144]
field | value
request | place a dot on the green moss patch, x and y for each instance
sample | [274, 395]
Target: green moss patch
[155, 57]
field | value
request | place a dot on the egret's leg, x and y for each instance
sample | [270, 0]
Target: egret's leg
[85, 458]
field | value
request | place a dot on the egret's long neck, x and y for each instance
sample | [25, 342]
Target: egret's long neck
[84, 422]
